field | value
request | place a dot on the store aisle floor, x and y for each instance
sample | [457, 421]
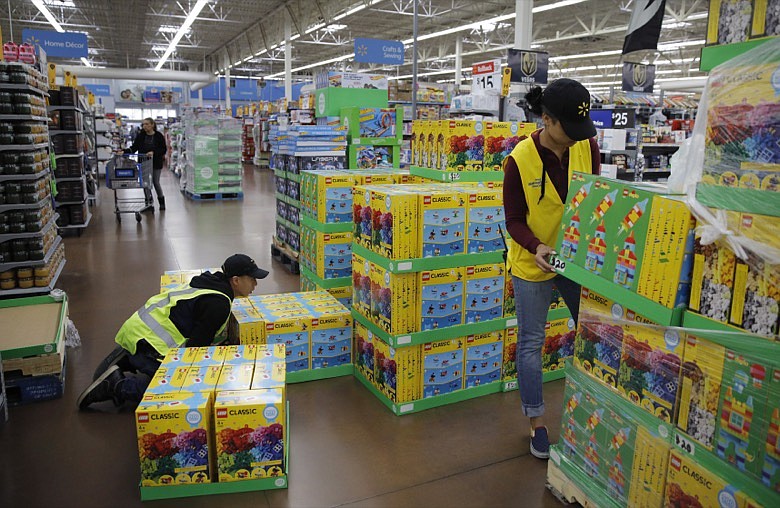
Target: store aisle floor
[347, 449]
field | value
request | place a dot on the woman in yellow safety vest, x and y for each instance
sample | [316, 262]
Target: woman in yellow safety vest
[536, 181]
[189, 316]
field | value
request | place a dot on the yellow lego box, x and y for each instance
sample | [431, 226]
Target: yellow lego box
[333, 197]
[361, 285]
[376, 176]
[441, 229]
[202, 379]
[397, 371]
[712, 283]
[331, 340]
[463, 145]
[332, 255]
[295, 334]
[363, 352]
[483, 358]
[755, 304]
[500, 139]
[162, 381]
[174, 443]
[269, 375]
[414, 142]
[176, 358]
[245, 353]
[430, 131]
[443, 363]
[394, 222]
[441, 298]
[509, 367]
[698, 481]
[246, 326]
[249, 426]
[558, 343]
[485, 220]
[393, 300]
[236, 377]
[205, 356]
[484, 293]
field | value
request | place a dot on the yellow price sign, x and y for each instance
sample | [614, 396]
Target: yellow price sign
[505, 81]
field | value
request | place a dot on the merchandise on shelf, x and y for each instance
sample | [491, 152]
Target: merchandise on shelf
[373, 122]
[486, 221]
[610, 449]
[484, 293]
[370, 156]
[330, 79]
[328, 255]
[443, 363]
[441, 298]
[213, 153]
[630, 235]
[483, 359]
[500, 139]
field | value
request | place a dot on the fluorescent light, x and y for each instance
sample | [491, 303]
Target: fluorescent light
[585, 55]
[310, 66]
[182, 30]
[676, 24]
[48, 15]
[557, 5]
[355, 9]
[159, 47]
[85, 62]
[674, 45]
[335, 27]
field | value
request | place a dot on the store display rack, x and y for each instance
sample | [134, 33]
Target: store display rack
[41, 262]
[23, 88]
[562, 486]
[435, 263]
[282, 253]
[326, 283]
[338, 227]
[35, 234]
[210, 489]
[36, 290]
[23, 148]
[31, 206]
[29, 177]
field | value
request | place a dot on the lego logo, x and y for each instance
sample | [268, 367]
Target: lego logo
[585, 292]
[428, 347]
[676, 462]
[222, 413]
[327, 238]
[630, 315]
[269, 326]
[470, 270]
[747, 221]
[426, 276]
[473, 198]
[452, 124]
[328, 181]
[427, 200]
[315, 322]
[143, 417]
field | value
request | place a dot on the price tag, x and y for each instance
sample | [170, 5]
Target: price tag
[486, 77]
[454, 177]
[623, 118]
[684, 443]
[557, 264]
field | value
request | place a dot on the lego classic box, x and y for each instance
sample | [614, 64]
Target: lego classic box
[628, 235]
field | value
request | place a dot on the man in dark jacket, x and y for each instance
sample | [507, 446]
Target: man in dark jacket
[189, 316]
[151, 142]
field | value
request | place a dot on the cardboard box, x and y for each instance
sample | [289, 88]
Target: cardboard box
[361, 285]
[713, 281]
[394, 222]
[373, 122]
[500, 139]
[249, 427]
[364, 351]
[463, 145]
[235, 355]
[202, 379]
[331, 341]
[485, 221]
[368, 156]
[483, 358]
[236, 377]
[294, 332]
[627, 234]
[397, 371]
[509, 365]
[484, 295]
[181, 418]
[558, 343]
[393, 300]
[442, 367]
[442, 227]
[441, 298]
[689, 481]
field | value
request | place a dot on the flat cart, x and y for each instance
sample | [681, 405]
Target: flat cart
[125, 172]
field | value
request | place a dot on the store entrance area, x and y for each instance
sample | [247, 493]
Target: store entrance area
[348, 448]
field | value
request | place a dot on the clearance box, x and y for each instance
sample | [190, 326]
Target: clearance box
[249, 426]
[182, 418]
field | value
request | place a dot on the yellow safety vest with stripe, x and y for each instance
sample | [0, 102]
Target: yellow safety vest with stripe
[152, 321]
[544, 217]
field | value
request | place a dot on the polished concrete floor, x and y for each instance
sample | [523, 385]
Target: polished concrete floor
[347, 449]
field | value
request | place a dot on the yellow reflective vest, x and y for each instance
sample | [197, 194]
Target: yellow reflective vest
[152, 321]
[544, 217]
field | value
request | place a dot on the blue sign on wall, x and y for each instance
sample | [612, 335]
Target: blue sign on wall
[99, 90]
[58, 44]
[602, 118]
[379, 51]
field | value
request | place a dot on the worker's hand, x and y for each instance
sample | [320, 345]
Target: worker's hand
[543, 253]
[150, 154]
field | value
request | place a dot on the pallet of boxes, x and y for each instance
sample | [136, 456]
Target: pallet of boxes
[32, 347]
[668, 406]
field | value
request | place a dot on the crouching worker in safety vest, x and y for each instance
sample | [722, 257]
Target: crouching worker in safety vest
[191, 316]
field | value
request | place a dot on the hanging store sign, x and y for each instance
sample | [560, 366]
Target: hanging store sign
[528, 66]
[486, 77]
[58, 44]
[638, 77]
[379, 51]
[618, 118]
[99, 90]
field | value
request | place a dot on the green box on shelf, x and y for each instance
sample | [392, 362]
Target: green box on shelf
[373, 123]
[741, 200]
[47, 319]
[330, 101]
[457, 176]
[397, 266]
[632, 237]
[373, 156]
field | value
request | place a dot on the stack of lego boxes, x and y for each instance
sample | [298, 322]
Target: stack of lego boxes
[214, 414]
[214, 153]
[230, 155]
[465, 145]
[327, 227]
[407, 224]
[315, 328]
[729, 417]
[306, 147]
[375, 136]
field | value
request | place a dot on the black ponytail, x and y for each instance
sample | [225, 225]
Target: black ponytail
[534, 100]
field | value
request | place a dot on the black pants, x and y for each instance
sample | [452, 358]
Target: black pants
[137, 370]
[157, 187]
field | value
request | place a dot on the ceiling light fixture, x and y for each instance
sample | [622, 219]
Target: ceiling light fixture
[48, 15]
[85, 62]
[199, 5]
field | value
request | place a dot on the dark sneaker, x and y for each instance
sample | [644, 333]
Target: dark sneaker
[114, 357]
[540, 443]
[102, 389]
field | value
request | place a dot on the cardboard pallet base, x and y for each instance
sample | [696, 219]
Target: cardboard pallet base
[553, 375]
[316, 374]
[283, 255]
[416, 406]
[215, 196]
[209, 489]
[564, 488]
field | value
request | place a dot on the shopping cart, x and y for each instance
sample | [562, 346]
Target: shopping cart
[125, 172]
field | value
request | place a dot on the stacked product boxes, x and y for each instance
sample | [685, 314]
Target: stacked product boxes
[715, 378]
[375, 136]
[214, 414]
[315, 328]
[213, 154]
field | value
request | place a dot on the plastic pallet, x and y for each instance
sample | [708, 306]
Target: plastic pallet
[28, 389]
[215, 196]
[290, 264]
[565, 489]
